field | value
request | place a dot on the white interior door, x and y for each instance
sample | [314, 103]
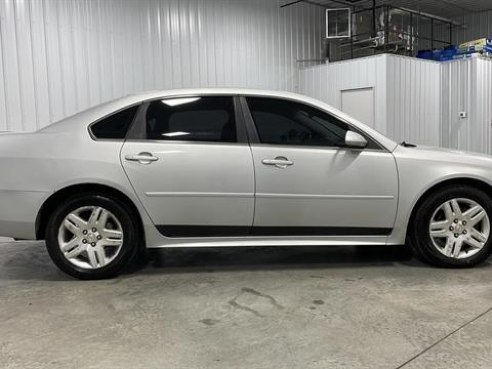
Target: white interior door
[359, 103]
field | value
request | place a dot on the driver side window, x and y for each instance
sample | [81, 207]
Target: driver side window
[284, 122]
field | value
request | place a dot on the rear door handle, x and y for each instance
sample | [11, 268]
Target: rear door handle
[279, 162]
[142, 158]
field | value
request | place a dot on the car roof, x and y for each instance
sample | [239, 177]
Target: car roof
[83, 119]
[99, 111]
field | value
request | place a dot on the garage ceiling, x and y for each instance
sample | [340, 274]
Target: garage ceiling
[443, 8]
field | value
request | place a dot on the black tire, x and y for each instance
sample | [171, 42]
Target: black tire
[420, 239]
[132, 241]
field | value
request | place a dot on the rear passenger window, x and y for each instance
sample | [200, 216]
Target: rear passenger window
[115, 126]
[192, 119]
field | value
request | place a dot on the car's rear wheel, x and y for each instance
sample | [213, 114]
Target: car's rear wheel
[92, 236]
[451, 228]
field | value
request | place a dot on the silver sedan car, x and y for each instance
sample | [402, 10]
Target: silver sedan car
[232, 167]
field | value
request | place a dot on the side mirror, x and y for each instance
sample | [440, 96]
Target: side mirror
[355, 140]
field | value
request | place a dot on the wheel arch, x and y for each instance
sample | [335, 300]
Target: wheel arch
[51, 202]
[473, 182]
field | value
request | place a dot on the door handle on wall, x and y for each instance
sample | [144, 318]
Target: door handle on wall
[279, 162]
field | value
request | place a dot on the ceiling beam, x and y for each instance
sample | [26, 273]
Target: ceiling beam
[449, 3]
[325, 3]
[291, 3]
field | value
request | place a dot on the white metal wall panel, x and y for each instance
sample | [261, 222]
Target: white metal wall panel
[325, 82]
[3, 105]
[467, 87]
[456, 93]
[481, 102]
[61, 57]
[413, 100]
[406, 93]
[482, 113]
[359, 103]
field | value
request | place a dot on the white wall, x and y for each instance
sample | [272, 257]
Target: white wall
[406, 92]
[413, 98]
[359, 103]
[481, 112]
[325, 82]
[467, 87]
[416, 100]
[60, 57]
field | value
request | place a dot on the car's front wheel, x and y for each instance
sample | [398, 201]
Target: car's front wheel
[451, 228]
[92, 236]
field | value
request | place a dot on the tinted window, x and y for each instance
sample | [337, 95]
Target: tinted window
[116, 126]
[192, 119]
[289, 123]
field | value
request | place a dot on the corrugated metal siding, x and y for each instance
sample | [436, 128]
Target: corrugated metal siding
[456, 93]
[413, 100]
[407, 93]
[476, 25]
[467, 87]
[61, 57]
[482, 112]
[479, 128]
[326, 82]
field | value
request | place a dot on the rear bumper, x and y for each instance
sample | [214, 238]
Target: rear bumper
[18, 213]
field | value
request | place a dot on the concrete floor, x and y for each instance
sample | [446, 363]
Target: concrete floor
[246, 308]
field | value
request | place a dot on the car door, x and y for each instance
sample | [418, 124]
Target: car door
[307, 182]
[191, 166]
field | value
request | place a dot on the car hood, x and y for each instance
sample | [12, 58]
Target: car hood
[440, 154]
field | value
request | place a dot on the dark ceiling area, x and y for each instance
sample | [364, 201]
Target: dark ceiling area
[443, 8]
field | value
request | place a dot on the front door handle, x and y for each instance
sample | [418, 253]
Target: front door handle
[142, 158]
[280, 162]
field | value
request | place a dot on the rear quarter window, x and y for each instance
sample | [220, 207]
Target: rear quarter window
[115, 126]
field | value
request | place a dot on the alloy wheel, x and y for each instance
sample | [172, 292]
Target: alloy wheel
[90, 237]
[459, 228]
